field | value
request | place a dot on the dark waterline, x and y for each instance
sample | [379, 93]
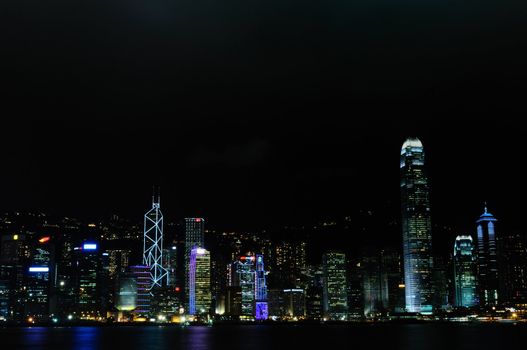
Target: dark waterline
[410, 336]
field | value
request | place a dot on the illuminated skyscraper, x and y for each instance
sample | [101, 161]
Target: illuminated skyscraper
[261, 306]
[465, 280]
[194, 237]
[487, 260]
[91, 270]
[38, 280]
[199, 281]
[335, 286]
[417, 229]
[153, 244]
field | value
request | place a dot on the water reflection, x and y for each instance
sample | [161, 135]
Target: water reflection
[265, 337]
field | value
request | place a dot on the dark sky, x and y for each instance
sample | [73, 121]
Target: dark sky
[252, 113]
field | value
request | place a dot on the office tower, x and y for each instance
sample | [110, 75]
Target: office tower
[153, 245]
[14, 254]
[314, 302]
[416, 227]
[170, 261]
[275, 302]
[261, 306]
[233, 301]
[38, 277]
[488, 275]
[373, 284]
[118, 262]
[442, 282]
[335, 286]
[465, 278]
[392, 279]
[91, 275]
[244, 277]
[294, 303]
[141, 273]
[194, 237]
[513, 268]
[199, 281]
[64, 282]
[355, 290]
[289, 261]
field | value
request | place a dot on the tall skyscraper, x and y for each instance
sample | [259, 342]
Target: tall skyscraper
[199, 281]
[335, 286]
[465, 279]
[194, 237]
[487, 260]
[153, 244]
[91, 270]
[417, 229]
[261, 306]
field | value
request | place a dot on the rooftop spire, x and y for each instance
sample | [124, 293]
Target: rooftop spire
[485, 207]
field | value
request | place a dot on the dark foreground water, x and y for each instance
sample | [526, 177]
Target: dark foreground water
[410, 336]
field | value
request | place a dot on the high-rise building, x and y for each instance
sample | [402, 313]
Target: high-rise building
[261, 306]
[294, 302]
[513, 268]
[355, 290]
[488, 278]
[416, 227]
[288, 263]
[170, 257]
[91, 271]
[465, 278]
[153, 245]
[244, 276]
[199, 281]
[194, 237]
[335, 286]
[38, 277]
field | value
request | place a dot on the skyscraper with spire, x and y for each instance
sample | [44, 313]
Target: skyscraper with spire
[416, 227]
[487, 259]
[153, 244]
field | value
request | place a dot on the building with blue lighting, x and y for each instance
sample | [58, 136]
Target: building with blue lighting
[465, 278]
[487, 260]
[261, 306]
[416, 227]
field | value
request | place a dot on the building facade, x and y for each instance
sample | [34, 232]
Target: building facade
[199, 281]
[194, 237]
[335, 286]
[465, 278]
[416, 227]
[488, 275]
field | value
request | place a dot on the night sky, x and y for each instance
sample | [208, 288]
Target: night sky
[261, 113]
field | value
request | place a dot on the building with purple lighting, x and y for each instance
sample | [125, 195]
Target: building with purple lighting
[199, 282]
[141, 274]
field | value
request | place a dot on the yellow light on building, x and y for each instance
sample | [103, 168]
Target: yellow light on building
[15, 237]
